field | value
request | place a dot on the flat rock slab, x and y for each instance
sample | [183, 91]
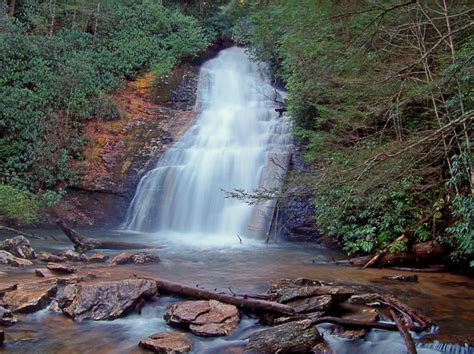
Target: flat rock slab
[19, 246]
[12, 260]
[134, 258]
[338, 293]
[73, 256]
[205, 318]
[43, 273]
[29, 297]
[167, 343]
[61, 268]
[105, 300]
[293, 337]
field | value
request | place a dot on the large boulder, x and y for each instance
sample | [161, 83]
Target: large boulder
[134, 258]
[204, 318]
[106, 300]
[293, 337]
[29, 297]
[167, 343]
[11, 260]
[19, 246]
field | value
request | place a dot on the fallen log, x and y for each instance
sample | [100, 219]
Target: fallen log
[355, 323]
[403, 308]
[411, 347]
[83, 244]
[244, 302]
[373, 261]
[18, 232]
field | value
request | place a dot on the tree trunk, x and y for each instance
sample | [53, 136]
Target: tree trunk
[244, 302]
[83, 244]
[11, 8]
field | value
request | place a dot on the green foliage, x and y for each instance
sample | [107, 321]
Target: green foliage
[59, 61]
[18, 206]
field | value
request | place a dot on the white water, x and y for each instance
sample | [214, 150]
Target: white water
[231, 145]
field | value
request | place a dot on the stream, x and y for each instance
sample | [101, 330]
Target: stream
[207, 240]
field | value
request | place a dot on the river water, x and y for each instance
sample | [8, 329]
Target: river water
[206, 240]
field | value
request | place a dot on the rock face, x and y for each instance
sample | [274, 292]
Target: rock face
[105, 301]
[167, 343]
[11, 260]
[204, 318]
[297, 213]
[135, 258]
[19, 246]
[61, 268]
[29, 297]
[293, 337]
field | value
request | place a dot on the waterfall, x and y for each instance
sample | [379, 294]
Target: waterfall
[237, 142]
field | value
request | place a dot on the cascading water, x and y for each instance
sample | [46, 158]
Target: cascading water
[237, 142]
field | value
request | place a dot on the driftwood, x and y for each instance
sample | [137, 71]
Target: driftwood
[244, 302]
[18, 232]
[355, 323]
[411, 347]
[408, 311]
[83, 244]
[424, 253]
[373, 261]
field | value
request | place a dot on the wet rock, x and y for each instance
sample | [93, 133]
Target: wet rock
[167, 343]
[6, 317]
[293, 337]
[106, 300]
[365, 299]
[134, 258]
[49, 257]
[338, 293]
[19, 246]
[311, 304]
[362, 314]
[54, 307]
[405, 278]
[205, 318]
[7, 287]
[11, 260]
[29, 297]
[43, 272]
[73, 256]
[61, 268]
[98, 258]
[322, 348]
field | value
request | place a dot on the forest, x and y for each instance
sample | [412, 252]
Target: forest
[236, 176]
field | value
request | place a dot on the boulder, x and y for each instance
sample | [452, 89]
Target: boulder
[204, 318]
[49, 257]
[19, 246]
[167, 343]
[134, 258]
[73, 256]
[43, 272]
[6, 317]
[312, 304]
[61, 268]
[29, 297]
[11, 260]
[98, 258]
[105, 300]
[293, 337]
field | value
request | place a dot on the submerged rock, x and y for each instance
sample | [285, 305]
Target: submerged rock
[135, 258]
[29, 297]
[205, 318]
[61, 268]
[106, 300]
[293, 337]
[11, 260]
[19, 246]
[98, 258]
[167, 343]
